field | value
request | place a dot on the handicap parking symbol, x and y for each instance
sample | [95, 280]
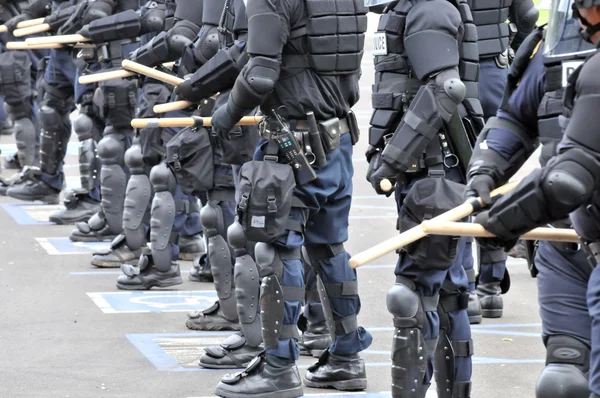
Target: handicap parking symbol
[60, 246]
[153, 301]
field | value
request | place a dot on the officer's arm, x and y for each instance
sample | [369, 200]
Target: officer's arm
[268, 31]
[569, 179]
[431, 43]
[524, 14]
[38, 9]
[169, 45]
[507, 140]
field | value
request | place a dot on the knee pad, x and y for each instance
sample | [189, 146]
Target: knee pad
[111, 150]
[247, 286]
[51, 119]
[567, 366]
[211, 217]
[25, 136]
[162, 179]
[162, 218]
[137, 198]
[134, 159]
[85, 128]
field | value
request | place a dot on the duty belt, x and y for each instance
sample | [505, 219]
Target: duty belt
[303, 125]
[566, 247]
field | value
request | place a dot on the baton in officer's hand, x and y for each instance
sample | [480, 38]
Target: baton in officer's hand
[62, 39]
[194, 121]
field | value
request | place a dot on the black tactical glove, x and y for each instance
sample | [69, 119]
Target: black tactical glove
[481, 185]
[504, 239]
[189, 92]
[379, 171]
[11, 24]
[225, 118]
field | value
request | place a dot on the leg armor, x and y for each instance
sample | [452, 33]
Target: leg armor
[162, 216]
[88, 133]
[219, 257]
[273, 296]
[137, 198]
[111, 150]
[567, 366]
[452, 347]
[25, 133]
[247, 286]
[409, 349]
[56, 129]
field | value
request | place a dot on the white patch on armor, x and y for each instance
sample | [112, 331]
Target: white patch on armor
[483, 145]
[257, 222]
[379, 44]
[372, 3]
[569, 67]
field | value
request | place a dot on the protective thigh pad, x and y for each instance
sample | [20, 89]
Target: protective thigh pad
[137, 198]
[162, 215]
[567, 366]
[151, 138]
[118, 102]
[15, 77]
[409, 349]
[247, 286]
[429, 198]
[113, 180]
[219, 258]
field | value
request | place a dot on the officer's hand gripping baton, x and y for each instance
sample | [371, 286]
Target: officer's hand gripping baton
[432, 227]
[194, 121]
[24, 24]
[113, 74]
[31, 30]
[417, 232]
[62, 39]
[22, 45]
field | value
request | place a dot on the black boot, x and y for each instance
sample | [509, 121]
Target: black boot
[233, 353]
[191, 247]
[94, 230]
[118, 253]
[265, 377]
[490, 299]
[79, 207]
[200, 271]
[145, 276]
[474, 309]
[211, 319]
[30, 187]
[518, 250]
[342, 372]
[315, 340]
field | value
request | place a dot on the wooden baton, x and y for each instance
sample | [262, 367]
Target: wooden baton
[471, 229]
[171, 106]
[22, 45]
[150, 72]
[98, 77]
[417, 233]
[194, 121]
[30, 22]
[62, 39]
[43, 27]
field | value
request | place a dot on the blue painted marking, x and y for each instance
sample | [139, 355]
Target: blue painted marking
[146, 344]
[67, 246]
[153, 301]
[20, 215]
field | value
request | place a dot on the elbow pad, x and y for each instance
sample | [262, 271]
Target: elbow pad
[257, 79]
[221, 71]
[154, 19]
[180, 36]
[434, 104]
[98, 9]
[569, 181]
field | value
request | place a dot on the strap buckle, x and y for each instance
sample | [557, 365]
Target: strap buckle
[271, 158]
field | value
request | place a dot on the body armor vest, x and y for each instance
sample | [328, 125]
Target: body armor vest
[334, 35]
[489, 16]
[395, 83]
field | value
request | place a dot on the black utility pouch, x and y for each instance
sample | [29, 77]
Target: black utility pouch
[15, 76]
[428, 198]
[190, 157]
[264, 196]
[239, 144]
[330, 134]
[353, 127]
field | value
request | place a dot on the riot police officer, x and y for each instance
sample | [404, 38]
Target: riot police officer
[565, 186]
[284, 75]
[426, 116]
